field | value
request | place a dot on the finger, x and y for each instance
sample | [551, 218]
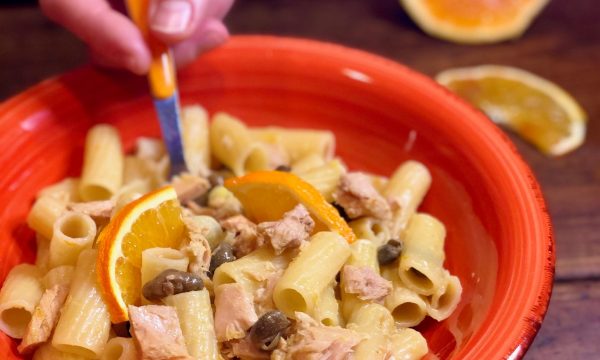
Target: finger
[211, 35]
[105, 30]
[172, 21]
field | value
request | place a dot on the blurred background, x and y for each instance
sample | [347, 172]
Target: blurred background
[562, 45]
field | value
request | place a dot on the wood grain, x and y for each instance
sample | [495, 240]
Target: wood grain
[562, 45]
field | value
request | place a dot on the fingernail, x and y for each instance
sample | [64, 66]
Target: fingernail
[171, 16]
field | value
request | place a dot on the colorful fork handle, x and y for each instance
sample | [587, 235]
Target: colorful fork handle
[162, 78]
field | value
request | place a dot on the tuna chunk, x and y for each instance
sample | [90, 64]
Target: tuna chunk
[314, 341]
[245, 234]
[289, 232]
[365, 283]
[245, 349]
[189, 187]
[234, 312]
[358, 197]
[44, 318]
[263, 296]
[197, 249]
[156, 331]
[98, 210]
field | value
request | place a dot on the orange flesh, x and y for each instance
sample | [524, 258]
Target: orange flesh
[472, 13]
[267, 195]
[530, 113]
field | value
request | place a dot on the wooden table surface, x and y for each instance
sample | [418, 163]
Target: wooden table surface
[563, 45]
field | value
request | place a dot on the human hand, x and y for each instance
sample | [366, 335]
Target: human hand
[189, 26]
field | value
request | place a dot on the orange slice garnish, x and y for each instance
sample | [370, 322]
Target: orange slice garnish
[473, 21]
[535, 108]
[267, 195]
[153, 220]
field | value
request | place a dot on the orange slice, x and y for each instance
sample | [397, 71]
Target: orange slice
[473, 21]
[153, 220]
[267, 195]
[536, 109]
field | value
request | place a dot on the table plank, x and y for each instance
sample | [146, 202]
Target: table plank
[572, 325]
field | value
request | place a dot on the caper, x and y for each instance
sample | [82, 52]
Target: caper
[284, 168]
[388, 253]
[223, 254]
[265, 333]
[171, 282]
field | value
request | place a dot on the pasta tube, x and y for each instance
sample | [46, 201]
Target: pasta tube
[65, 191]
[42, 256]
[445, 300]
[197, 324]
[19, 296]
[408, 344]
[406, 306]
[102, 173]
[120, 348]
[371, 229]
[60, 275]
[49, 352]
[376, 322]
[407, 187]
[327, 310]
[251, 270]
[73, 232]
[84, 324]
[44, 213]
[196, 143]
[364, 253]
[310, 272]
[325, 178]
[232, 145]
[421, 263]
[299, 143]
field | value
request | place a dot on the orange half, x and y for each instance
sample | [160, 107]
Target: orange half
[153, 220]
[473, 21]
[267, 195]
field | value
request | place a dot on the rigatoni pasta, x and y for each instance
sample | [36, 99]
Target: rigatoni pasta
[230, 284]
[310, 272]
[73, 232]
[19, 296]
[102, 172]
[421, 264]
[120, 348]
[84, 324]
[197, 324]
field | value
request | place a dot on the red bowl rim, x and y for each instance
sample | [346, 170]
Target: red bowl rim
[530, 316]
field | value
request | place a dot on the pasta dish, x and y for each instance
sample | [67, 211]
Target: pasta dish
[268, 247]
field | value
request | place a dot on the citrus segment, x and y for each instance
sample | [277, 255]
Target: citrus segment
[154, 220]
[536, 109]
[473, 21]
[267, 195]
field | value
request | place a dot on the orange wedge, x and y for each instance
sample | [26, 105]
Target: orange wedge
[536, 109]
[473, 21]
[153, 220]
[267, 195]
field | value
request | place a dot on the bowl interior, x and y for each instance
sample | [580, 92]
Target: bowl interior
[498, 243]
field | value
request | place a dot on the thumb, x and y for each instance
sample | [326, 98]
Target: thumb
[172, 21]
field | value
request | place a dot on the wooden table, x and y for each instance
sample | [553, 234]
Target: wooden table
[562, 45]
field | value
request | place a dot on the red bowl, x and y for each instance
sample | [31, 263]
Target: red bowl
[499, 239]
